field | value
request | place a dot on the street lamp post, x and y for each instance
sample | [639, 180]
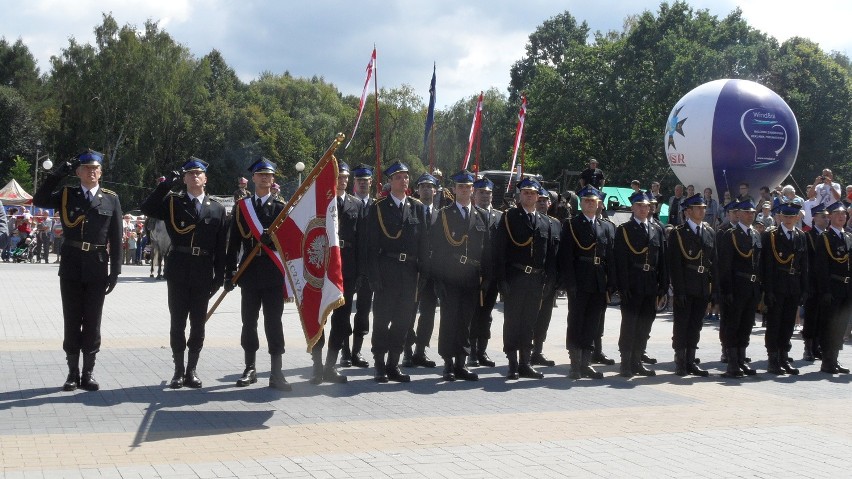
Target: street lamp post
[47, 164]
[300, 167]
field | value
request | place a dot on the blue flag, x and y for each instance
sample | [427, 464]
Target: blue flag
[430, 114]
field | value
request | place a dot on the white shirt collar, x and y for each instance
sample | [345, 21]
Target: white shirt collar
[94, 190]
[590, 220]
[837, 231]
[264, 198]
[746, 229]
[784, 229]
[644, 224]
[692, 225]
[200, 197]
[397, 201]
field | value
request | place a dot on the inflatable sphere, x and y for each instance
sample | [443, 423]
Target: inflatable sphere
[728, 132]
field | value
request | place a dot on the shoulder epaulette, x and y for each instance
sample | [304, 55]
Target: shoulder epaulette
[602, 218]
[217, 200]
[383, 198]
[552, 218]
[771, 229]
[278, 199]
[415, 200]
[481, 210]
[179, 193]
[109, 192]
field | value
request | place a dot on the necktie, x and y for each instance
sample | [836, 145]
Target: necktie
[258, 204]
[197, 205]
[790, 235]
[531, 218]
[339, 203]
[89, 196]
[464, 212]
[429, 215]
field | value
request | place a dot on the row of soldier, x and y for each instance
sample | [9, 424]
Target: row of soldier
[399, 253]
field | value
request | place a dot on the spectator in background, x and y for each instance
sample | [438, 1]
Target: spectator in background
[765, 215]
[242, 189]
[634, 185]
[58, 239]
[690, 191]
[848, 199]
[4, 233]
[24, 224]
[654, 192]
[765, 194]
[827, 191]
[744, 192]
[592, 175]
[130, 255]
[44, 230]
[726, 198]
[276, 190]
[675, 217]
[807, 219]
[713, 212]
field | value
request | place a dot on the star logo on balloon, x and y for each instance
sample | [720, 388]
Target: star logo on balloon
[675, 126]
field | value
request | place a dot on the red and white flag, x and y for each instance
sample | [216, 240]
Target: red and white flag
[307, 241]
[370, 68]
[519, 134]
[474, 130]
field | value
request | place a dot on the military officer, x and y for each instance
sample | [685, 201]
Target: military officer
[785, 282]
[91, 258]
[363, 178]
[725, 227]
[642, 277]
[347, 233]
[545, 311]
[262, 282]
[812, 322]
[419, 339]
[195, 267]
[460, 242]
[242, 189]
[395, 240]
[834, 280]
[480, 325]
[739, 251]
[598, 356]
[585, 268]
[691, 257]
[524, 259]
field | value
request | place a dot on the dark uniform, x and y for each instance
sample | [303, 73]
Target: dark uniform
[363, 295]
[642, 277]
[480, 325]
[92, 228]
[195, 267]
[813, 319]
[724, 228]
[548, 296]
[586, 271]
[395, 239]
[261, 283]
[739, 251]
[834, 285]
[524, 259]
[691, 253]
[460, 246]
[785, 281]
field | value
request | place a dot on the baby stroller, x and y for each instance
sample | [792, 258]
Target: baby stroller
[24, 251]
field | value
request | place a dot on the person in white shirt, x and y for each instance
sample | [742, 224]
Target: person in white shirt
[827, 191]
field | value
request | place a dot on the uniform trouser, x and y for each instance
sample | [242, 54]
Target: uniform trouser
[458, 305]
[340, 327]
[780, 321]
[426, 323]
[637, 317]
[480, 325]
[271, 298]
[363, 304]
[82, 306]
[688, 321]
[739, 319]
[394, 306]
[520, 307]
[836, 316]
[545, 312]
[584, 313]
[811, 323]
[187, 299]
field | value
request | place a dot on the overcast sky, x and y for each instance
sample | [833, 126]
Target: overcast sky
[474, 43]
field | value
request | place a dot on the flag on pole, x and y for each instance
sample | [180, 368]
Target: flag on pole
[370, 68]
[519, 133]
[474, 130]
[430, 113]
[307, 241]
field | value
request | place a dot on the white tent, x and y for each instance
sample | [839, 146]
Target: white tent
[13, 194]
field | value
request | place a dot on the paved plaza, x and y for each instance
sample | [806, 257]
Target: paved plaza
[762, 426]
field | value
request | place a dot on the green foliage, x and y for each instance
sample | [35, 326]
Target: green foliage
[22, 172]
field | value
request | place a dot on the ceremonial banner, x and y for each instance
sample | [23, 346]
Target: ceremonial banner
[430, 113]
[307, 241]
[519, 134]
[370, 68]
[474, 130]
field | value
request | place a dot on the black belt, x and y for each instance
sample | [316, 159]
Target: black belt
[401, 257]
[700, 268]
[345, 244]
[465, 260]
[791, 270]
[590, 259]
[750, 277]
[85, 246]
[527, 269]
[842, 279]
[644, 267]
[194, 250]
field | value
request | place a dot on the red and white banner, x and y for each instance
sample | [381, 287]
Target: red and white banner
[370, 68]
[474, 130]
[307, 241]
[247, 212]
[519, 134]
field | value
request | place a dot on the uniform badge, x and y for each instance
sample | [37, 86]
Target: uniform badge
[181, 224]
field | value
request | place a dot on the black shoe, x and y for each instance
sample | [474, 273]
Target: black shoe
[359, 361]
[407, 358]
[626, 368]
[280, 383]
[190, 379]
[345, 356]
[808, 354]
[464, 373]
[648, 359]
[743, 363]
[539, 359]
[332, 375]
[177, 380]
[381, 371]
[639, 369]
[72, 382]
[733, 370]
[513, 367]
[788, 368]
[88, 382]
[600, 358]
[692, 365]
[484, 360]
[472, 361]
[527, 371]
[420, 359]
[680, 362]
[449, 370]
[394, 374]
[249, 377]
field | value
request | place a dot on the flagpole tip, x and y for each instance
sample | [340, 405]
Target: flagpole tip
[340, 137]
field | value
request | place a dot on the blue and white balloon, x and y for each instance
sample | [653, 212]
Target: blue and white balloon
[726, 132]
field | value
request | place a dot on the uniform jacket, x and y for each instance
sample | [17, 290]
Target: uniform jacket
[692, 277]
[348, 213]
[202, 233]
[95, 223]
[739, 261]
[814, 239]
[790, 278]
[830, 269]
[517, 243]
[394, 235]
[460, 248]
[583, 267]
[261, 272]
[645, 273]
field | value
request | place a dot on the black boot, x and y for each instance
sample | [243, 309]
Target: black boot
[316, 357]
[250, 373]
[276, 375]
[538, 358]
[626, 368]
[786, 365]
[743, 362]
[724, 357]
[420, 359]
[330, 374]
[692, 364]
[190, 378]
[828, 364]
[513, 365]
[393, 371]
[587, 370]
[357, 359]
[599, 357]
[407, 357]
[449, 369]
[525, 369]
[177, 377]
[482, 354]
[817, 349]
[773, 366]
[639, 368]
[809, 353]
[473, 359]
[576, 357]
[648, 359]
[680, 362]
[733, 370]
[72, 382]
[837, 366]
[87, 379]
[462, 372]
[345, 354]
[381, 368]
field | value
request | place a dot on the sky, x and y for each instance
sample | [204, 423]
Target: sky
[473, 43]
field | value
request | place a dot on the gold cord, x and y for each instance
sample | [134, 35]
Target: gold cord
[734, 240]
[577, 241]
[841, 259]
[172, 218]
[509, 231]
[775, 250]
[243, 233]
[65, 220]
[382, 222]
[630, 246]
[447, 231]
[683, 250]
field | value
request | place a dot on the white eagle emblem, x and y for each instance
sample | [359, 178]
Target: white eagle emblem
[316, 251]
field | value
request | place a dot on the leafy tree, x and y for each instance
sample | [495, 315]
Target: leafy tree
[22, 172]
[20, 132]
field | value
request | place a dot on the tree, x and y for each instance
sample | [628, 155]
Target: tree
[22, 172]
[20, 133]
